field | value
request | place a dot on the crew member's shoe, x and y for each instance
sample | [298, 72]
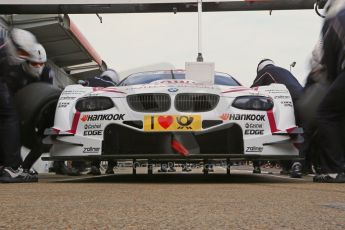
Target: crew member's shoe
[72, 172]
[186, 168]
[329, 178]
[163, 168]
[30, 171]
[61, 169]
[296, 170]
[323, 178]
[208, 168]
[340, 178]
[257, 169]
[109, 171]
[9, 175]
[94, 171]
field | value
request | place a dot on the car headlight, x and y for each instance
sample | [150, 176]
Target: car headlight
[94, 104]
[253, 103]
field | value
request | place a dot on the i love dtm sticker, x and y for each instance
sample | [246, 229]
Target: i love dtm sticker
[172, 123]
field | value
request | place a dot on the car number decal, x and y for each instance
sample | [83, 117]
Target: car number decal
[172, 123]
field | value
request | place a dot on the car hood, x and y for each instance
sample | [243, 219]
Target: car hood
[185, 86]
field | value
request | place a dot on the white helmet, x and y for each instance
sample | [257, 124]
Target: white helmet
[18, 44]
[112, 74]
[35, 61]
[263, 63]
[333, 7]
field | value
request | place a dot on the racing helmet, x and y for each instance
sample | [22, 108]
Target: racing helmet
[112, 74]
[263, 63]
[35, 61]
[18, 44]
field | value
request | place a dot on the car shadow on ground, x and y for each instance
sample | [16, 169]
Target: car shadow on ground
[190, 178]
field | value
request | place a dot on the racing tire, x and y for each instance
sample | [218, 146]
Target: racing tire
[36, 105]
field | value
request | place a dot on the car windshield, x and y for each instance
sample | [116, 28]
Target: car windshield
[148, 77]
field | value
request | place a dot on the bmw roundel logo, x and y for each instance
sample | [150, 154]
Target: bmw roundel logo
[172, 90]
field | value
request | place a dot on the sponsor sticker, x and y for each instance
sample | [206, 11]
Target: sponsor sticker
[92, 126]
[63, 104]
[287, 103]
[254, 149]
[242, 117]
[253, 126]
[282, 91]
[172, 123]
[69, 92]
[93, 132]
[91, 150]
[282, 97]
[103, 117]
[253, 132]
[163, 84]
[179, 81]
[67, 98]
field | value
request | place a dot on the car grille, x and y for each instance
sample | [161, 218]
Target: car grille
[149, 102]
[196, 102]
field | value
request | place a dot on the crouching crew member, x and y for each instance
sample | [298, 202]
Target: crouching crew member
[14, 49]
[268, 73]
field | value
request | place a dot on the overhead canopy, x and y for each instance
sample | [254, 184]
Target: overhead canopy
[146, 6]
[65, 45]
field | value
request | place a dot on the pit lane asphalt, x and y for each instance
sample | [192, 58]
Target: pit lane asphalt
[169, 201]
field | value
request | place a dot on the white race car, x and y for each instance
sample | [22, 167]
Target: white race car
[160, 115]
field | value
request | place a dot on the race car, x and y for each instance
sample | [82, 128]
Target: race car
[161, 115]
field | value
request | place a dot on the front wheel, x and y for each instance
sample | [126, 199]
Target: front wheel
[36, 105]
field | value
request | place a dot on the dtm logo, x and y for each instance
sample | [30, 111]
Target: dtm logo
[102, 117]
[173, 90]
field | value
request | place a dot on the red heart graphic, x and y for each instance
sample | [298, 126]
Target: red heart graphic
[165, 121]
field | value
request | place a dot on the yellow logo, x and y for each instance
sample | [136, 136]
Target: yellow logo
[172, 123]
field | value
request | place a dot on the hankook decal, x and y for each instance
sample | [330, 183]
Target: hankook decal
[102, 117]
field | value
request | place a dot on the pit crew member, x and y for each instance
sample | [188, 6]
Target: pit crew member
[330, 112]
[14, 48]
[268, 73]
